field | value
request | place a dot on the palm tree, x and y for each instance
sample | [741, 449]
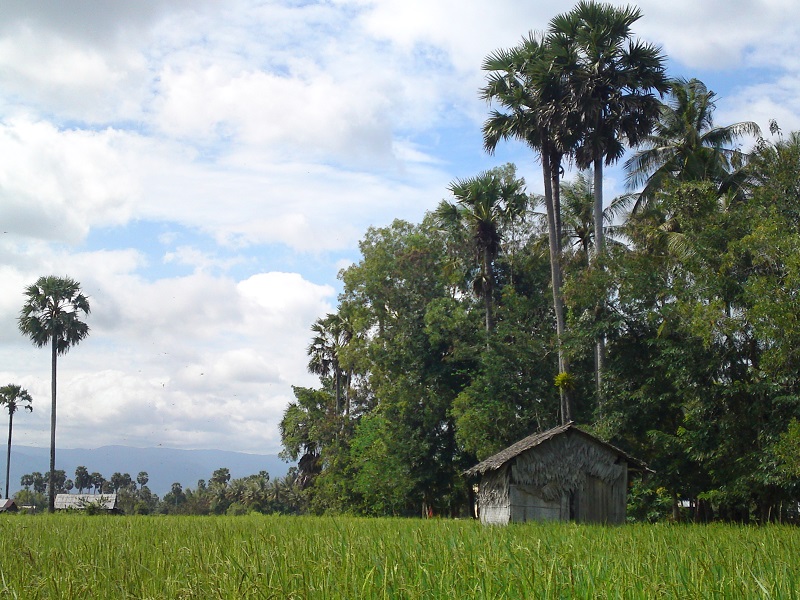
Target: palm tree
[533, 96]
[51, 314]
[612, 78]
[685, 145]
[577, 215]
[484, 204]
[332, 334]
[14, 398]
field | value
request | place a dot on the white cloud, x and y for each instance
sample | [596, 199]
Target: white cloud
[181, 360]
[55, 184]
[241, 143]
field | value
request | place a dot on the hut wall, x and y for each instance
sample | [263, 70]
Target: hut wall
[569, 477]
[602, 502]
[493, 498]
[528, 504]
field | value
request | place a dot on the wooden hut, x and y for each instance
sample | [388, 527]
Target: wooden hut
[7, 505]
[107, 502]
[558, 475]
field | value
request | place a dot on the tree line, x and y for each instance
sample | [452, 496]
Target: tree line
[220, 495]
[664, 321]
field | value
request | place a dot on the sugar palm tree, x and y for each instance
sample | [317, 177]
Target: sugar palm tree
[484, 204]
[532, 96]
[13, 397]
[686, 146]
[332, 334]
[612, 78]
[52, 315]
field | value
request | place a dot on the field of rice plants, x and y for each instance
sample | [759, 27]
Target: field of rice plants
[77, 556]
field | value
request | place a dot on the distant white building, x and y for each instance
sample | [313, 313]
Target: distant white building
[82, 501]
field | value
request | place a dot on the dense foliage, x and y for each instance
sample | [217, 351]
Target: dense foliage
[679, 339]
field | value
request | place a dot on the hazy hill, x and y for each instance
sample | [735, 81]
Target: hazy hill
[164, 465]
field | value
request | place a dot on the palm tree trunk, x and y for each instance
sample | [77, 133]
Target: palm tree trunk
[8, 455]
[599, 233]
[599, 245]
[488, 291]
[551, 182]
[51, 500]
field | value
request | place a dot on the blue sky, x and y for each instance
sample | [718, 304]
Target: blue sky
[204, 169]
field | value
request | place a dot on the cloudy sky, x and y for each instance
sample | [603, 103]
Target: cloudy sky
[205, 168]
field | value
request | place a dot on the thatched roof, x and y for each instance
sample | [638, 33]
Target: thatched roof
[81, 501]
[496, 461]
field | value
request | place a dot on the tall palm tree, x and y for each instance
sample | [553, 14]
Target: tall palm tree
[52, 314]
[484, 204]
[686, 146]
[14, 398]
[612, 78]
[532, 94]
[332, 334]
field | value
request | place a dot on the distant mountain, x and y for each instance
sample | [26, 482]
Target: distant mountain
[164, 466]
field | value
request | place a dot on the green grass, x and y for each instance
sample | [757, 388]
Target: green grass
[76, 556]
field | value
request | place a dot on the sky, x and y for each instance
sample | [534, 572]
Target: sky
[204, 169]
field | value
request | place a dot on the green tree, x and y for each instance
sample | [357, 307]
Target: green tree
[410, 277]
[611, 78]
[686, 146]
[120, 481]
[142, 478]
[97, 482]
[306, 430]
[52, 314]
[331, 336]
[220, 477]
[534, 99]
[484, 204]
[13, 397]
[59, 482]
[83, 480]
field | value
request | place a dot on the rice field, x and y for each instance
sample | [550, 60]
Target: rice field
[68, 556]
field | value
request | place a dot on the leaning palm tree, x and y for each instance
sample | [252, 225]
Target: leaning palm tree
[533, 98]
[686, 146]
[14, 398]
[484, 204]
[52, 315]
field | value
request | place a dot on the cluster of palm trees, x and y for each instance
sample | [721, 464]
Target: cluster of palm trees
[580, 91]
[51, 316]
[258, 492]
[583, 92]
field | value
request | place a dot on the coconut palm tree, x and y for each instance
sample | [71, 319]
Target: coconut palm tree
[686, 146]
[532, 94]
[52, 315]
[14, 398]
[484, 204]
[577, 215]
